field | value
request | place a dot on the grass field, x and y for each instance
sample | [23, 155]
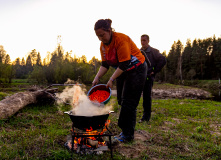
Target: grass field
[179, 129]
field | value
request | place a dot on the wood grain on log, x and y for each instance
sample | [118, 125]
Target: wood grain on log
[12, 104]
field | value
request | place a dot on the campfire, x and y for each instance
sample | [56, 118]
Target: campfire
[89, 132]
[89, 141]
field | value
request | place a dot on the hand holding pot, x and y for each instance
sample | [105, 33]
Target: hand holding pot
[110, 83]
[95, 81]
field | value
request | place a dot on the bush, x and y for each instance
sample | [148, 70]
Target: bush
[2, 95]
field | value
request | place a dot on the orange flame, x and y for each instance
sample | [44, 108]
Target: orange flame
[92, 132]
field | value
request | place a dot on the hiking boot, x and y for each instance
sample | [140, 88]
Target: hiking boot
[122, 138]
[120, 134]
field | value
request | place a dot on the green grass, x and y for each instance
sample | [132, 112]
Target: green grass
[209, 85]
[188, 129]
[167, 86]
[178, 129]
[38, 132]
[19, 81]
[2, 95]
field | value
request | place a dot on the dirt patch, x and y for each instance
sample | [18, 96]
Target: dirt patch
[140, 145]
[180, 93]
[216, 128]
[130, 151]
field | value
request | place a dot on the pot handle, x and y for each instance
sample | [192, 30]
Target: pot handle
[68, 112]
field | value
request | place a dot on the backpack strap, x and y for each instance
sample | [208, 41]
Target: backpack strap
[146, 58]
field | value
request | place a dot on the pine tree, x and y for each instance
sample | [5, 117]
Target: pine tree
[171, 63]
[178, 55]
[38, 61]
[29, 66]
[186, 59]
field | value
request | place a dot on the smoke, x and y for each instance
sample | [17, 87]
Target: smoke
[81, 105]
[69, 81]
[66, 96]
[87, 108]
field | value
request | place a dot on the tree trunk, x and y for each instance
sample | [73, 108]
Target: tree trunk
[12, 104]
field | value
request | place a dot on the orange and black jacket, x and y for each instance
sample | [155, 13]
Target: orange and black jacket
[122, 52]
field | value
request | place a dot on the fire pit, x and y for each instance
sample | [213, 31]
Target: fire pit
[88, 132]
[89, 139]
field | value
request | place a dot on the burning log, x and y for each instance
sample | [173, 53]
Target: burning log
[12, 104]
[92, 143]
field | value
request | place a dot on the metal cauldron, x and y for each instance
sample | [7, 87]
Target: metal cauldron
[89, 122]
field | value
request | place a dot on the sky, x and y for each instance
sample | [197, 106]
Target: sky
[35, 24]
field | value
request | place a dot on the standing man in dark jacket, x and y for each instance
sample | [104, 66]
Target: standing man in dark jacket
[156, 63]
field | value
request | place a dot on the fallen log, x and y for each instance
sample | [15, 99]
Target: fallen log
[12, 104]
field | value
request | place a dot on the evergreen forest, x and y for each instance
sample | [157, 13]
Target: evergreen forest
[196, 60]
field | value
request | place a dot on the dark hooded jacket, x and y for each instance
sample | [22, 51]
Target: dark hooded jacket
[157, 60]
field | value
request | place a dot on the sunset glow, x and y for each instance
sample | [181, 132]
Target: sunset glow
[27, 25]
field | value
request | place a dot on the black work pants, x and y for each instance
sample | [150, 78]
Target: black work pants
[147, 98]
[129, 88]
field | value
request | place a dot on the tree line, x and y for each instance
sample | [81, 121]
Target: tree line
[200, 59]
[57, 67]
